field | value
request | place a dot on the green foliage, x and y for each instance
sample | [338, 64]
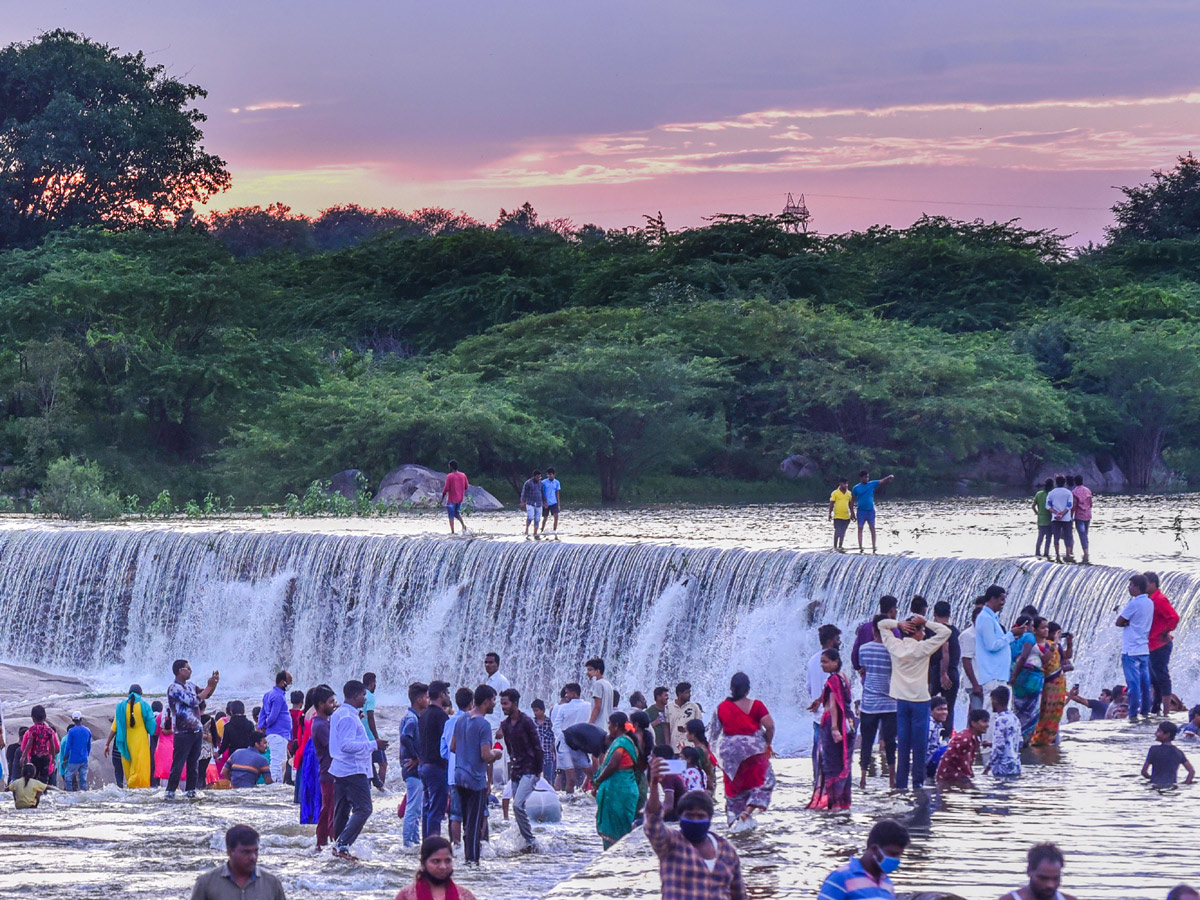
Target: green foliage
[1165, 208]
[76, 489]
[89, 136]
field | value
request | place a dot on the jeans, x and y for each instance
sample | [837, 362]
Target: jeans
[1044, 535]
[187, 754]
[912, 739]
[520, 797]
[434, 792]
[1137, 680]
[1160, 677]
[885, 725]
[75, 776]
[1081, 526]
[549, 770]
[474, 805]
[414, 791]
[277, 744]
[351, 792]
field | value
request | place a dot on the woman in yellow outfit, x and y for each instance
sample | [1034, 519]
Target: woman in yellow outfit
[132, 728]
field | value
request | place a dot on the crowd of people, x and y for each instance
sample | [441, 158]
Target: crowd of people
[645, 762]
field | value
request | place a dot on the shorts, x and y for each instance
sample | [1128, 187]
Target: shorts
[552, 509]
[452, 510]
[840, 526]
[1062, 529]
[866, 517]
[532, 513]
[578, 759]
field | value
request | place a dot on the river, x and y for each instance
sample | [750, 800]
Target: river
[662, 594]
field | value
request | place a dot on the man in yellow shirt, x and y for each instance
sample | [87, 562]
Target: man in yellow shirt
[840, 514]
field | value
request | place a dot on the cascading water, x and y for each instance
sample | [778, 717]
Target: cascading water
[118, 605]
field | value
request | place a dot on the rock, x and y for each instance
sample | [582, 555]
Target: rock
[345, 483]
[421, 487]
[800, 466]
[1100, 472]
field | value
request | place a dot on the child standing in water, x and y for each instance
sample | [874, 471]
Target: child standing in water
[1163, 761]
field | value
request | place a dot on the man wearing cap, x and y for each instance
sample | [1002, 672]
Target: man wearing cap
[76, 750]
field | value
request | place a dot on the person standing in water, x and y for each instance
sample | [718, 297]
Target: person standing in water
[839, 512]
[1045, 875]
[350, 753]
[435, 875]
[132, 727]
[867, 876]
[275, 722]
[454, 492]
[184, 699]
[531, 501]
[863, 505]
[551, 491]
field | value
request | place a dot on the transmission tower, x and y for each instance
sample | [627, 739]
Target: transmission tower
[797, 214]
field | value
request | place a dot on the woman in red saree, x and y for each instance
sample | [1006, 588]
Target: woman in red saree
[835, 750]
[743, 733]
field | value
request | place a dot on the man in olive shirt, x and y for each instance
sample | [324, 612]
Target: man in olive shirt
[239, 878]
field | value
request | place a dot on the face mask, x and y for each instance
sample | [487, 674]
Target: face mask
[888, 864]
[694, 830]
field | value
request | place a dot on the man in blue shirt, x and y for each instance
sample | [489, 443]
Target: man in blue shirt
[275, 721]
[862, 505]
[993, 656]
[867, 876]
[410, 762]
[76, 748]
[550, 491]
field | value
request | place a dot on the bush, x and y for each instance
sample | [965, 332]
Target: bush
[74, 489]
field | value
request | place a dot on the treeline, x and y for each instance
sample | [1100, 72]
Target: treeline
[176, 363]
[254, 351]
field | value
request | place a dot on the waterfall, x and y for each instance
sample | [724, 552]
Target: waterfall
[118, 605]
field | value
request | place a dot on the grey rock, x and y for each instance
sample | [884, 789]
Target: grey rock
[345, 483]
[421, 487]
[800, 466]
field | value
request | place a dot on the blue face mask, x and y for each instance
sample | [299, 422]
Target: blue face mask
[888, 864]
[695, 830]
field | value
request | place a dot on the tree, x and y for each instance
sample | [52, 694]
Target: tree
[249, 230]
[1167, 207]
[92, 137]
[1141, 384]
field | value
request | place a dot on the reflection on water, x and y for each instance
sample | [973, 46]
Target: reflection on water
[1122, 839]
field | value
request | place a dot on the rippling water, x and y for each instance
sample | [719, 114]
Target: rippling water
[1122, 838]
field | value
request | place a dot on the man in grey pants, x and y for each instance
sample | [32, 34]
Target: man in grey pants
[350, 751]
[524, 757]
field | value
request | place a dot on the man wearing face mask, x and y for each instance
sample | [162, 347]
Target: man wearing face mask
[867, 876]
[693, 864]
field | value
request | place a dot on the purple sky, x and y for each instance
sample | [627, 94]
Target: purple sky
[602, 112]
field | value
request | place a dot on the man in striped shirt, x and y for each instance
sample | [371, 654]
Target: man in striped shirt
[878, 708]
[867, 876]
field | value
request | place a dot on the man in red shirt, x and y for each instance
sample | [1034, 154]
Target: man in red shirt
[453, 494]
[1164, 622]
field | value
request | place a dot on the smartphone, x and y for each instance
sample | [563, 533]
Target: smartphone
[675, 766]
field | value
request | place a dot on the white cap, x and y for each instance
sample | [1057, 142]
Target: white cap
[77, 715]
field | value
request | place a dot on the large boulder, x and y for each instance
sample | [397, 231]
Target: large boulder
[800, 466]
[421, 487]
[345, 483]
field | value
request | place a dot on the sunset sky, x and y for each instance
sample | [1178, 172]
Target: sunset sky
[601, 112]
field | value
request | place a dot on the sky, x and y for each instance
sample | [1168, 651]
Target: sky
[603, 112]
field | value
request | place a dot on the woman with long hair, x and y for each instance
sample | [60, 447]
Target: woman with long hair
[1055, 657]
[643, 740]
[132, 728]
[616, 784]
[835, 746]
[1027, 676]
[307, 761]
[435, 875]
[743, 732]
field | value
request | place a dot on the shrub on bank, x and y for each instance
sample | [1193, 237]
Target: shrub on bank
[75, 489]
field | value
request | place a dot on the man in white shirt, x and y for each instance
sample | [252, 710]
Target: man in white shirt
[350, 752]
[1136, 619]
[910, 690]
[679, 713]
[966, 641]
[572, 764]
[830, 637]
[498, 683]
[1060, 503]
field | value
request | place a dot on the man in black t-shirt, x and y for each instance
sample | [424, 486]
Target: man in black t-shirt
[432, 767]
[943, 666]
[1163, 761]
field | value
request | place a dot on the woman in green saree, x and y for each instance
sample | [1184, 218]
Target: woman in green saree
[616, 783]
